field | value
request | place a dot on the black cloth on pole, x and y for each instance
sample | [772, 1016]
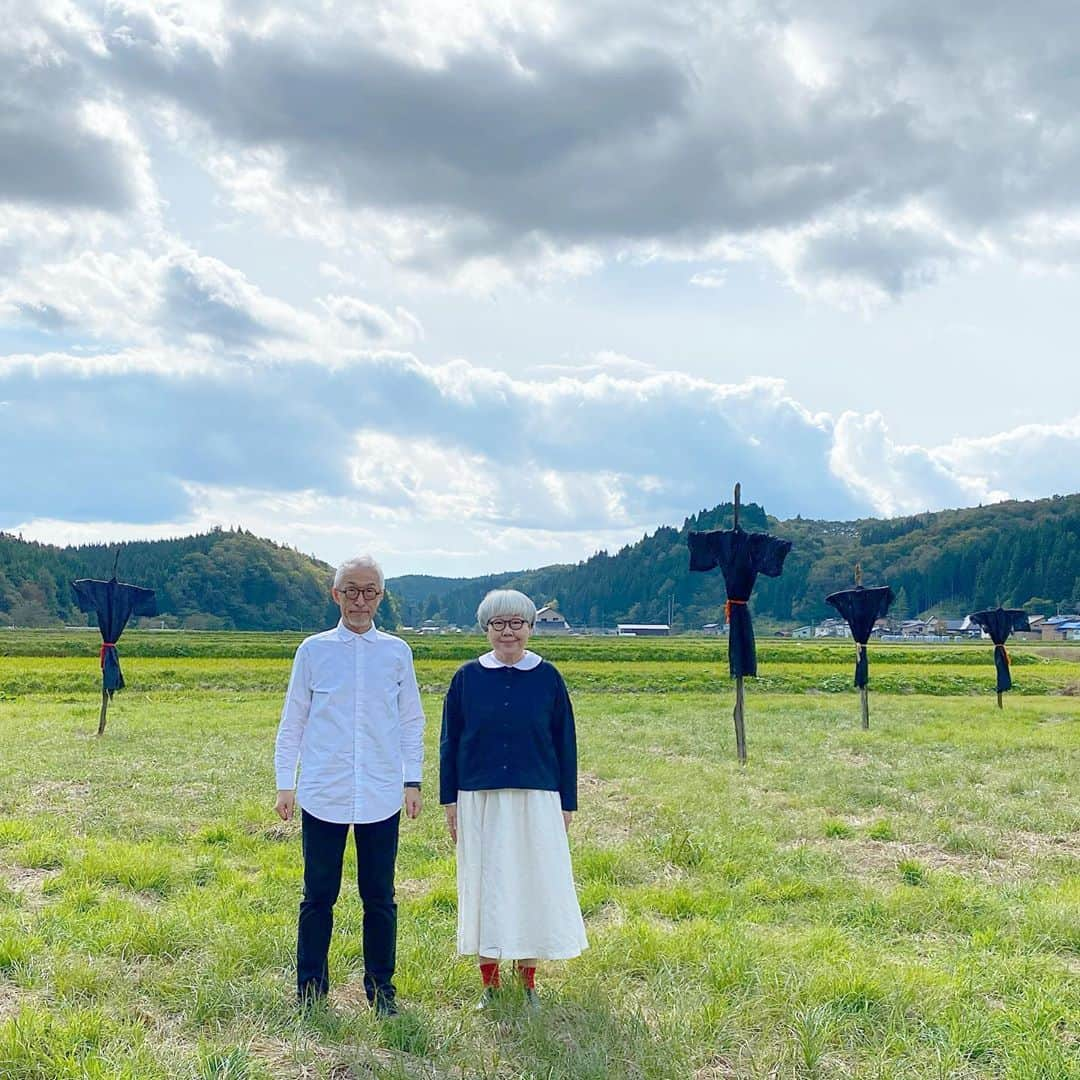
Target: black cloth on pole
[860, 609]
[113, 603]
[741, 556]
[999, 624]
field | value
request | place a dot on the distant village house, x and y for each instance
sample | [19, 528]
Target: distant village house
[549, 620]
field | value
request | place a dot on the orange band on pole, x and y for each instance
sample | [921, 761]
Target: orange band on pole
[727, 608]
[1005, 653]
[101, 655]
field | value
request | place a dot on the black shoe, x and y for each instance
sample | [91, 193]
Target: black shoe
[487, 998]
[532, 999]
[385, 1007]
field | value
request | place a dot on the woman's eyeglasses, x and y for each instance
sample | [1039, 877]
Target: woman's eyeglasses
[499, 625]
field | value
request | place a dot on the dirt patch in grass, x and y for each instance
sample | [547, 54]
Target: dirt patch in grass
[11, 1001]
[1035, 844]
[610, 813]
[284, 1058]
[411, 888]
[877, 859]
[608, 914]
[277, 832]
[719, 1068]
[28, 882]
[51, 796]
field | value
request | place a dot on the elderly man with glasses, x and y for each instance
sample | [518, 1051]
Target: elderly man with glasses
[352, 720]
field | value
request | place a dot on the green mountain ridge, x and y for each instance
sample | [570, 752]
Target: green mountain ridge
[220, 580]
[1020, 554]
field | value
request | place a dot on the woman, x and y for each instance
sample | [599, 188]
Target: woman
[508, 781]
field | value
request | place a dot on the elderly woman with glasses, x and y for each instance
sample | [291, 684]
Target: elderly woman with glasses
[508, 783]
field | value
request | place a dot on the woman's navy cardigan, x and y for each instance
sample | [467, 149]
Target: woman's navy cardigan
[508, 728]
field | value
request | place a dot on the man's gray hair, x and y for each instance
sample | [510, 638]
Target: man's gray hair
[505, 603]
[361, 562]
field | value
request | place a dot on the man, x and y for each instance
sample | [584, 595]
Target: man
[352, 719]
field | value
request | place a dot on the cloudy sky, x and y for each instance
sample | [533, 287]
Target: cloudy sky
[479, 286]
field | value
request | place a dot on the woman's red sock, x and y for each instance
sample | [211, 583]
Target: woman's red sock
[527, 976]
[489, 974]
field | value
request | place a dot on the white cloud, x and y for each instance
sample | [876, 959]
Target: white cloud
[1028, 462]
[468, 451]
[372, 322]
[538, 141]
[242, 244]
[709, 279]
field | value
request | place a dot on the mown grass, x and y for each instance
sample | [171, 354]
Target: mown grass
[898, 903]
[831, 672]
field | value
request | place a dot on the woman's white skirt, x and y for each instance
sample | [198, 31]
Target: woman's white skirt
[516, 895]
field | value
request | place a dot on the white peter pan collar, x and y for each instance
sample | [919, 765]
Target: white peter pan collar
[526, 663]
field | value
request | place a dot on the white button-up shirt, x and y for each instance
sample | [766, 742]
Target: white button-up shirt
[353, 721]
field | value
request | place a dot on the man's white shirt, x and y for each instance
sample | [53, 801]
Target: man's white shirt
[352, 719]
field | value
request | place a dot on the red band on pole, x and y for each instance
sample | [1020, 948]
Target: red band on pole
[101, 656]
[727, 608]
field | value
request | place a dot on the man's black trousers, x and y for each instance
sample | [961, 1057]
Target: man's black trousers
[376, 854]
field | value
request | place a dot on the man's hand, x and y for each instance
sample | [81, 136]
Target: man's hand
[414, 803]
[451, 819]
[285, 806]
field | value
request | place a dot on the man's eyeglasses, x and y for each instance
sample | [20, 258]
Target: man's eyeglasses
[368, 592]
[499, 625]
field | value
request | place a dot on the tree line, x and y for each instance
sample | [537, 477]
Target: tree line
[1017, 554]
[220, 580]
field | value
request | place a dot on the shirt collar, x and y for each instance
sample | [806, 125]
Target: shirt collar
[345, 634]
[526, 663]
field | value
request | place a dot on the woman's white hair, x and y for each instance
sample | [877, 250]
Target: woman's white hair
[505, 603]
[361, 562]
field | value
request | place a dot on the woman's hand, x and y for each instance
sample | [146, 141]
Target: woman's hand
[567, 817]
[451, 819]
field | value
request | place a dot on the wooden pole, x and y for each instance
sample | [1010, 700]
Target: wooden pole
[1000, 706]
[740, 730]
[104, 709]
[738, 489]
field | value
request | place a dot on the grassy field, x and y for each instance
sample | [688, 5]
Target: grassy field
[899, 903]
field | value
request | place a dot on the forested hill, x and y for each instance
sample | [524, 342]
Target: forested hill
[223, 579]
[1021, 554]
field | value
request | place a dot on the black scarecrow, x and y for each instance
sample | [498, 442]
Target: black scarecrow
[114, 603]
[860, 608]
[741, 556]
[999, 624]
